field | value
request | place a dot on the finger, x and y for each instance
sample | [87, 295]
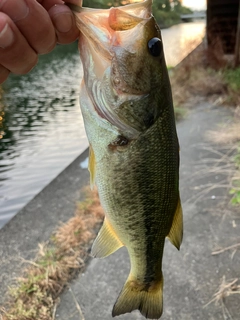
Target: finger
[3, 73]
[15, 53]
[33, 21]
[64, 23]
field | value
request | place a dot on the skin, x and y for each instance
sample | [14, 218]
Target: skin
[129, 120]
[32, 27]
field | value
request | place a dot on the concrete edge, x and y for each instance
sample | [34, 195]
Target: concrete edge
[35, 223]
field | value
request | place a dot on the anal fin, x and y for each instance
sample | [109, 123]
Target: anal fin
[91, 166]
[176, 233]
[106, 242]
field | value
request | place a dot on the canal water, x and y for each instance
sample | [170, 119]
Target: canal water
[41, 127]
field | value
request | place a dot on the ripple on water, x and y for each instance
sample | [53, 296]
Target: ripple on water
[42, 128]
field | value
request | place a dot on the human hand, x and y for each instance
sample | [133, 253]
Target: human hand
[29, 28]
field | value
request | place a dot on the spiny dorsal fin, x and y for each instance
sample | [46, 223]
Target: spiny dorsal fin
[176, 233]
[91, 166]
[106, 242]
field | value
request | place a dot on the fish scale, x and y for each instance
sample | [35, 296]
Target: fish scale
[127, 109]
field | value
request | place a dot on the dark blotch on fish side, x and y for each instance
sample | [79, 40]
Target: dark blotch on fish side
[155, 47]
[149, 120]
[120, 141]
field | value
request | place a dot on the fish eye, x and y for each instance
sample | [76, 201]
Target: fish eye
[155, 47]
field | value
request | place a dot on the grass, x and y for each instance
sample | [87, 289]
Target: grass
[35, 295]
[222, 165]
[194, 78]
[229, 134]
[203, 75]
[232, 78]
[226, 289]
[235, 189]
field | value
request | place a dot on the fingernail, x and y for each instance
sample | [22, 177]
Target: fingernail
[63, 22]
[16, 10]
[6, 37]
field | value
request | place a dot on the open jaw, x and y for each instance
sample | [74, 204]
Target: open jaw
[103, 31]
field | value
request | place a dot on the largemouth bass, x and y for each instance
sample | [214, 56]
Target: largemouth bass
[127, 107]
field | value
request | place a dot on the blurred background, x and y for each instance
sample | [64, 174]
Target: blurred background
[41, 128]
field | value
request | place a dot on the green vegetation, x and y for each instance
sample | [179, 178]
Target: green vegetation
[166, 19]
[96, 4]
[167, 12]
[179, 112]
[235, 190]
[232, 78]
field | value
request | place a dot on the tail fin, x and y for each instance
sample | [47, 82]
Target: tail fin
[148, 299]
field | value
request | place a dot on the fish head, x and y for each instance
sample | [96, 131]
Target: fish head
[124, 67]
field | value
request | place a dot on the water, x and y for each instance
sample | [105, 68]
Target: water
[43, 128]
[181, 39]
[41, 124]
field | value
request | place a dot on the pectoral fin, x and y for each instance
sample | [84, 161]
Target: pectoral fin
[176, 233]
[91, 166]
[106, 242]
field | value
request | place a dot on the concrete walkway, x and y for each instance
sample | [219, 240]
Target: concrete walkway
[192, 275]
[36, 222]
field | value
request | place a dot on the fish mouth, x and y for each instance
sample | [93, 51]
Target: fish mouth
[102, 32]
[100, 26]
